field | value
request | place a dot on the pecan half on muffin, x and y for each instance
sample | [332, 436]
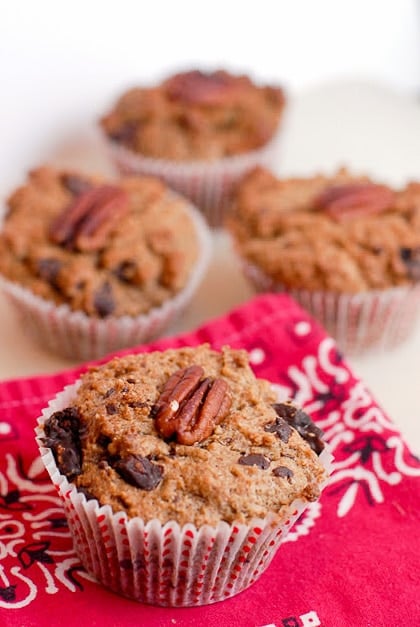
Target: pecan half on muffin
[199, 131]
[187, 440]
[119, 249]
[324, 237]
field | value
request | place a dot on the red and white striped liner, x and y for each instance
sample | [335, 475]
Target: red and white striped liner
[374, 320]
[207, 184]
[166, 565]
[76, 335]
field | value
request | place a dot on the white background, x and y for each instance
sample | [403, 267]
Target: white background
[63, 63]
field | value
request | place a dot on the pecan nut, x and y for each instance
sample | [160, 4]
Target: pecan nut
[199, 88]
[354, 199]
[191, 406]
[86, 222]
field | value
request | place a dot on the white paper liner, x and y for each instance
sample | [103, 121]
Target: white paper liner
[166, 565]
[75, 335]
[207, 184]
[374, 320]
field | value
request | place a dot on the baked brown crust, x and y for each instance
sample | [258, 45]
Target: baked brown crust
[103, 266]
[196, 116]
[227, 476]
[340, 233]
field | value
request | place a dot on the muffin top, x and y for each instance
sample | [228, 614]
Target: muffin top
[196, 116]
[188, 435]
[341, 233]
[103, 248]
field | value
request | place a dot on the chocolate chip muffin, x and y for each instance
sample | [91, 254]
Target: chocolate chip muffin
[188, 435]
[106, 250]
[199, 131]
[196, 116]
[189, 440]
[339, 235]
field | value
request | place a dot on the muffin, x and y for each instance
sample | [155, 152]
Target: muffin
[179, 473]
[94, 265]
[199, 131]
[347, 248]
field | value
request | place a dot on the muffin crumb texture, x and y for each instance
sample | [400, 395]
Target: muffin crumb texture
[341, 233]
[107, 249]
[196, 116]
[248, 464]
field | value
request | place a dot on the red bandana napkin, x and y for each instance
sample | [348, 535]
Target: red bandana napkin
[352, 560]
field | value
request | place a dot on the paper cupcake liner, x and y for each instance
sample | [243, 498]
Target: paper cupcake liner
[207, 184]
[166, 565]
[374, 320]
[75, 335]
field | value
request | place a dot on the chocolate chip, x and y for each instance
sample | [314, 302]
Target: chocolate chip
[48, 269]
[131, 381]
[153, 411]
[300, 421]
[287, 411]
[111, 409]
[125, 134]
[411, 259]
[103, 300]
[405, 254]
[280, 428]
[75, 184]
[109, 392]
[283, 472]
[126, 271]
[103, 440]
[254, 460]
[139, 472]
[63, 432]
[138, 404]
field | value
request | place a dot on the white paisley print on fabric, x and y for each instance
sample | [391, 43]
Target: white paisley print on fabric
[29, 507]
[368, 449]
[35, 543]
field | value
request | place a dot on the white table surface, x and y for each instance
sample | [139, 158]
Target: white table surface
[366, 127]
